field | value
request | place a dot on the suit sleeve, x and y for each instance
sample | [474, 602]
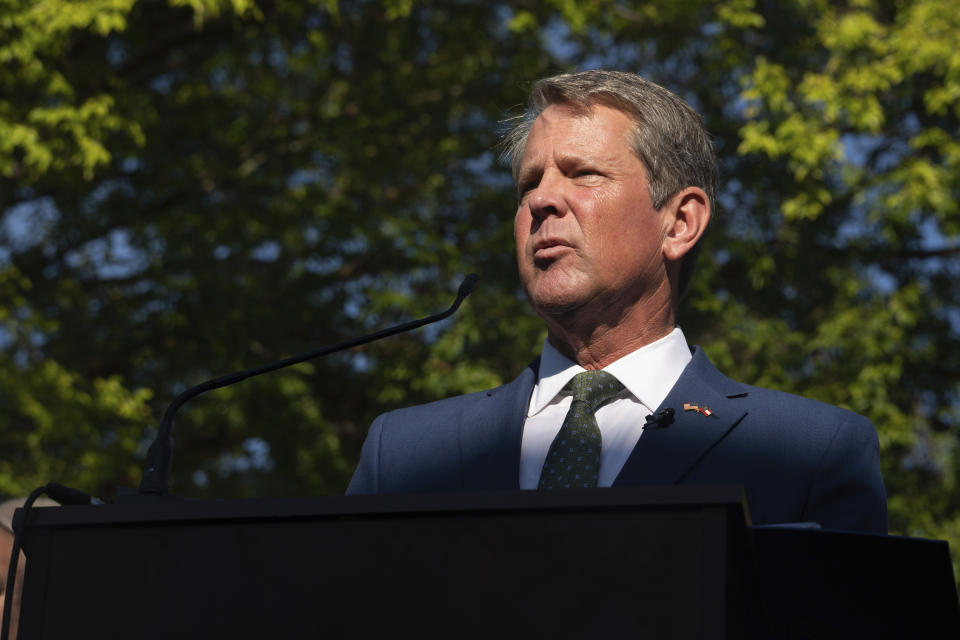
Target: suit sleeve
[366, 478]
[848, 491]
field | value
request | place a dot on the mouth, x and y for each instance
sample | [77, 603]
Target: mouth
[547, 250]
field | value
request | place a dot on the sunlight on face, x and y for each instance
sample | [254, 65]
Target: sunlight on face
[585, 228]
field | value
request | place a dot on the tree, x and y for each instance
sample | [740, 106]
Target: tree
[195, 187]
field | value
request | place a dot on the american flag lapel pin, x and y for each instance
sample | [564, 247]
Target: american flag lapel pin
[690, 406]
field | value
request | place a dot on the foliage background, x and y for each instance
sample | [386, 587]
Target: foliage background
[196, 186]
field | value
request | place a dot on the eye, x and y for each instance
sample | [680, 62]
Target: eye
[585, 172]
[525, 185]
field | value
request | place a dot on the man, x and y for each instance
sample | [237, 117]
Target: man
[616, 179]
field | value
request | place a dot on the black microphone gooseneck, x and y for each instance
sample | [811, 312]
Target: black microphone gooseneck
[159, 457]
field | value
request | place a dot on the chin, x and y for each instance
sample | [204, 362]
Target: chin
[554, 305]
[556, 293]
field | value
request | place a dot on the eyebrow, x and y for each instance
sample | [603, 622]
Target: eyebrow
[527, 174]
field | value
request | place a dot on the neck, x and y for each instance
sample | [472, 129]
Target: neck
[594, 342]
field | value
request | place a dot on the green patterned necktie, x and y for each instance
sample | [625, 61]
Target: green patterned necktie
[574, 456]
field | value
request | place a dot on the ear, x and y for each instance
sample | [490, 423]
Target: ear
[687, 217]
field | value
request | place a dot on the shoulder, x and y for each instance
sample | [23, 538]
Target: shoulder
[454, 404]
[778, 407]
[791, 408]
[447, 408]
[826, 455]
[813, 428]
[420, 448]
[798, 432]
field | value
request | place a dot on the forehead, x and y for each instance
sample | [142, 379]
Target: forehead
[594, 132]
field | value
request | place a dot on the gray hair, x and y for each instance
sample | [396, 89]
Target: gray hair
[669, 137]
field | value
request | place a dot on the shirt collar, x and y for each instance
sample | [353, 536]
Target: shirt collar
[648, 373]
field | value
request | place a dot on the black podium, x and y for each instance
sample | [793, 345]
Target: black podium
[657, 562]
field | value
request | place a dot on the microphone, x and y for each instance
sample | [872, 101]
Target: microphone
[156, 472]
[661, 421]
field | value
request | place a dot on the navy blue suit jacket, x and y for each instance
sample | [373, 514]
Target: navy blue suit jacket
[799, 460]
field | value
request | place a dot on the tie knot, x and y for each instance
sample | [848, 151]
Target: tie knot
[594, 387]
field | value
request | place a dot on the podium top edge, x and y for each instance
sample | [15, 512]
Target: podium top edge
[679, 497]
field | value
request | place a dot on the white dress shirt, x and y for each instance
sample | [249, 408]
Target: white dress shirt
[648, 375]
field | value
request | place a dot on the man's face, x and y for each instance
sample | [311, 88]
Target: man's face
[587, 234]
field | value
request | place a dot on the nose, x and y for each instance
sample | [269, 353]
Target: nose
[546, 199]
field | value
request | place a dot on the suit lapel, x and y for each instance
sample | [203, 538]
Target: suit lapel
[490, 435]
[665, 455]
